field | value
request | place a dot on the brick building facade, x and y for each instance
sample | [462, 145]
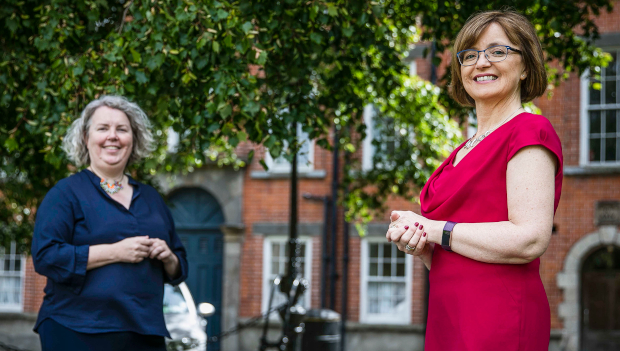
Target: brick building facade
[257, 222]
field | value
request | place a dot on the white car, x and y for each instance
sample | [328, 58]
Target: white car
[184, 321]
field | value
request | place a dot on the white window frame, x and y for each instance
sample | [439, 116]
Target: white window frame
[368, 149]
[12, 255]
[267, 281]
[403, 317]
[584, 121]
[284, 166]
[413, 68]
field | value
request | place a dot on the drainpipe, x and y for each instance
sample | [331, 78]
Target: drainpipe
[433, 67]
[324, 249]
[345, 273]
[334, 223]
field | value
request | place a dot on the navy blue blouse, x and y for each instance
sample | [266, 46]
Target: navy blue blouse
[77, 213]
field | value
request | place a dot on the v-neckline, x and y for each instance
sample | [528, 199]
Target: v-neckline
[480, 142]
[130, 182]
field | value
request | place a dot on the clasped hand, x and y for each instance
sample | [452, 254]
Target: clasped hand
[137, 248]
[407, 229]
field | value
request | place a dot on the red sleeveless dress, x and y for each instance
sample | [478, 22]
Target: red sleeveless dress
[480, 306]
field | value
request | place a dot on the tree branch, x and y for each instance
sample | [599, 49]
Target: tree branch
[120, 29]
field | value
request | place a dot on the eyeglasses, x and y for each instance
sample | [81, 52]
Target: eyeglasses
[493, 54]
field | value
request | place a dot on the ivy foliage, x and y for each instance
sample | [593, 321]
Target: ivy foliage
[220, 73]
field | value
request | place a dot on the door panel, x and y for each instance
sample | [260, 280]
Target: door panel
[601, 301]
[197, 218]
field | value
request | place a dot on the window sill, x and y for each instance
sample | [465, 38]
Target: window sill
[12, 316]
[591, 170]
[282, 229]
[383, 327]
[314, 174]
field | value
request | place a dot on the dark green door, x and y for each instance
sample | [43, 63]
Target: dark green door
[198, 217]
[601, 300]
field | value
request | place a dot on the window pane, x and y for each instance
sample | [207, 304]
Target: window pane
[595, 122]
[373, 269]
[400, 269]
[610, 92]
[610, 121]
[387, 251]
[398, 292]
[595, 149]
[374, 250]
[303, 157]
[275, 266]
[373, 305]
[10, 280]
[611, 69]
[400, 254]
[387, 269]
[302, 251]
[385, 291]
[373, 290]
[384, 298]
[610, 149]
[595, 94]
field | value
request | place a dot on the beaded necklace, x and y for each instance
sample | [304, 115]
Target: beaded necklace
[110, 188]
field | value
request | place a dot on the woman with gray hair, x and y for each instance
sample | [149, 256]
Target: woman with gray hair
[106, 243]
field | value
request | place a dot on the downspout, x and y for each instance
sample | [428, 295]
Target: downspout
[334, 223]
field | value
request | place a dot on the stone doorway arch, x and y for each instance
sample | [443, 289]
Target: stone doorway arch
[569, 280]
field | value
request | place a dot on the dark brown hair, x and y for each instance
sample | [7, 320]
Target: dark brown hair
[520, 32]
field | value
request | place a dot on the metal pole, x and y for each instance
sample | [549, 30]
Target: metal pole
[324, 248]
[324, 252]
[345, 271]
[289, 336]
[333, 274]
[293, 264]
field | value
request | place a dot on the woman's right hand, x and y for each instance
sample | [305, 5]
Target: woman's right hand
[132, 250]
[414, 236]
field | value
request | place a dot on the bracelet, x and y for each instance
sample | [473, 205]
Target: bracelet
[446, 237]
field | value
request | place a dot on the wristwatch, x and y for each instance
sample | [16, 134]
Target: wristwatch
[447, 235]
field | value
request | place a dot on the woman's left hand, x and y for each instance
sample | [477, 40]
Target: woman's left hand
[160, 250]
[400, 219]
[408, 229]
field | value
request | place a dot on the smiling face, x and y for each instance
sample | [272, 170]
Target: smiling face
[491, 82]
[109, 139]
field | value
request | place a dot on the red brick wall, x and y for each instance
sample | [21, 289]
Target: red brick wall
[575, 215]
[574, 219]
[33, 288]
[608, 22]
[267, 200]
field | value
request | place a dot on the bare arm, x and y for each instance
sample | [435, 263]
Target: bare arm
[525, 236]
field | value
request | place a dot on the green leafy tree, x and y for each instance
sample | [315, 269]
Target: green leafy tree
[224, 72]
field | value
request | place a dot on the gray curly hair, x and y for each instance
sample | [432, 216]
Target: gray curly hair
[74, 142]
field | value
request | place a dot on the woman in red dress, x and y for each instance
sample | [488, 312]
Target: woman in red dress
[487, 211]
